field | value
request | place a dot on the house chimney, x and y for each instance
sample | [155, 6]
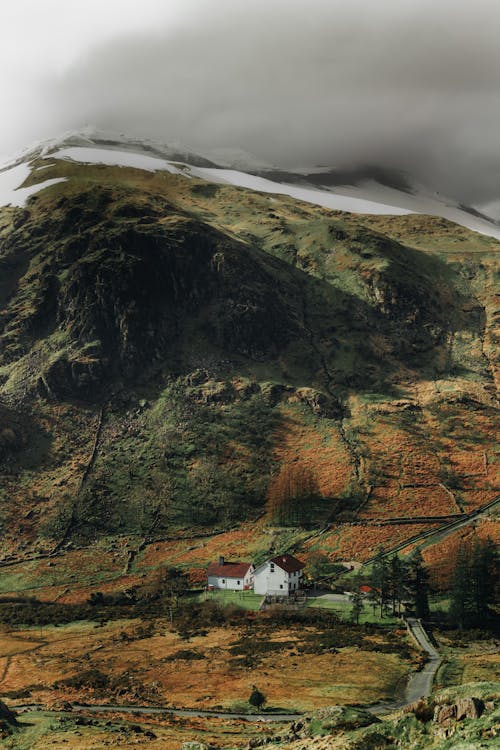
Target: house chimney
[221, 560]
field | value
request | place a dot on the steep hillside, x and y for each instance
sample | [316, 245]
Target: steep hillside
[168, 343]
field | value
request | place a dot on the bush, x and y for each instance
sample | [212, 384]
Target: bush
[257, 699]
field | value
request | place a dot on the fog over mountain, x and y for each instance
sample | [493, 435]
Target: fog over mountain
[407, 84]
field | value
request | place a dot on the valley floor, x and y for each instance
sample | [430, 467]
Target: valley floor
[53, 652]
[134, 662]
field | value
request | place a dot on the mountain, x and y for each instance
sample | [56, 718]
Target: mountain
[170, 340]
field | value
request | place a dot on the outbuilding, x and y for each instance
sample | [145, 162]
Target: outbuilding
[234, 576]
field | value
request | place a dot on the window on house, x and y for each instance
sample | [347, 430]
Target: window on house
[272, 567]
[281, 585]
[238, 583]
[223, 580]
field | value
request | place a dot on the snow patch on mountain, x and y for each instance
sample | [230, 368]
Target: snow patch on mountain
[365, 198]
[11, 194]
[113, 158]
[324, 198]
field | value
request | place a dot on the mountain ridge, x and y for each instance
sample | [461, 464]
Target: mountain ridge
[365, 189]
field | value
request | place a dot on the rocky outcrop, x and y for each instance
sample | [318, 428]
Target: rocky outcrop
[464, 708]
[469, 708]
[206, 389]
[462, 721]
[344, 717]
[64, 378]
[321, 404]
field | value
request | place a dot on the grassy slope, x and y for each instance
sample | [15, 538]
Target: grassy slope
[394, 321]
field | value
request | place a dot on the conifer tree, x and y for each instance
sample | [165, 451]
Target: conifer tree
[474, 583]
[461, 601]
[397, 573]
[483, 576]
[418, 584]
[357, 605]
[380, 580]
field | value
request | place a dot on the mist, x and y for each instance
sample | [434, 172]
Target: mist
[406, 84]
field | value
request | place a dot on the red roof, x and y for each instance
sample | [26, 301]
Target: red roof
[365, 589]
[229, 569]
[288, 563]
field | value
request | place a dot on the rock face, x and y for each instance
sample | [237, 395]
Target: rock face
[123, 292]
[445, 714]
[134, 297]
[464, 708]
[469, 708]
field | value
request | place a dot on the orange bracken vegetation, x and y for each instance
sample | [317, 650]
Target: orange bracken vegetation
[150, 664]
[324, 454]
[346, 542]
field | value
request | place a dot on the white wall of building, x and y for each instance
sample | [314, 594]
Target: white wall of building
[231, 584]
[269, 578]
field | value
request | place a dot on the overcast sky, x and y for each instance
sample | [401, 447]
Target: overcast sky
[412, 84]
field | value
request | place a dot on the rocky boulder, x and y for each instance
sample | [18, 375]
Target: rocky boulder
[469, 708]
[446, 714]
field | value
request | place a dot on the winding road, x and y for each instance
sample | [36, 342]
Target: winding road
[419, 685]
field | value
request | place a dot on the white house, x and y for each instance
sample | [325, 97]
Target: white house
[236, 576]
[280, 576]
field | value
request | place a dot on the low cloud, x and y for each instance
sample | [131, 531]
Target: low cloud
[409, 84]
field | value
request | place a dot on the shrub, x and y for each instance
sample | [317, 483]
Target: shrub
[257, 699]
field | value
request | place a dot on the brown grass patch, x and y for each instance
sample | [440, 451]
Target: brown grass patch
[345, 542]
[288, 678]
[324, 453]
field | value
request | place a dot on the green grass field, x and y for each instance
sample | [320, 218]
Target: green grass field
[244, 599]
[249, 600]
[343, 610]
